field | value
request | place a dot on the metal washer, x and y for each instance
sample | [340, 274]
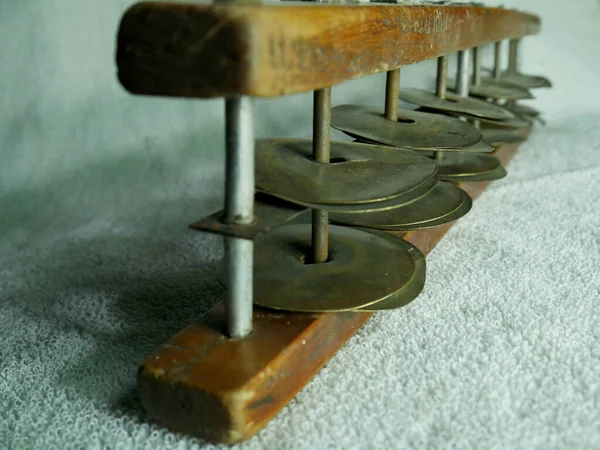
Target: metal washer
[363, 268]
[365, 173]
[403, 296]
[496, 91]
[497, 137]
[456, 104]
[524, 80]
[460, 165]
[414, 130]
[441, 202]
[496, 174]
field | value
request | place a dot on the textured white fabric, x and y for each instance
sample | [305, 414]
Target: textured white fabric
[97, 267]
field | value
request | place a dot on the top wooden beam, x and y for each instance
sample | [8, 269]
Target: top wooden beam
[266, 50]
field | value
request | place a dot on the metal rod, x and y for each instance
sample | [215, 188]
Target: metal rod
[441, 87]
[476, 80]
[513, 55]
[321, 154]
[497, 60]
[441, 82]
[462, 74]
[239, 209]
[392, 89]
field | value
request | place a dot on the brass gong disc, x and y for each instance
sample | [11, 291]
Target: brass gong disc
[496, 91]
[523, 109]
[516, 122]
[496, 174]
[480, 147]
[405, 295]
[414, 130]
[390, 203]
[442, 201]
[459, 165]
[358, 173]
[524, 80]
[501, 137]
[363, 268]
[455, 103]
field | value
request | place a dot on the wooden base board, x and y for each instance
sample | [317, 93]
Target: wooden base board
[225, 391]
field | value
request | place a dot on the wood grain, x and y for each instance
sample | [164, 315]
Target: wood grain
[221, 390]
[267, 50]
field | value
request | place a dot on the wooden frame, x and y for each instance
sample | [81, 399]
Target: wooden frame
[224, 49]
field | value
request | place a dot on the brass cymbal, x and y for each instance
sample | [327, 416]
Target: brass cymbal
[496, 91]
[442, 201]
[363, 269]
[360, 208]
[524, 80]
[480, 147]
[500, 137]
[464, 208]
[403, 296]
[460, 165]
[414, 130]
[496, 174]
[523, 109]
[358, 173]
[517, 121]
[455, 103]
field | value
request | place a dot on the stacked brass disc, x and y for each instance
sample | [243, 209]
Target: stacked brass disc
[400, 174]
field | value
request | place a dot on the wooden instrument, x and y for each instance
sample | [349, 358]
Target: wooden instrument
[320, 234]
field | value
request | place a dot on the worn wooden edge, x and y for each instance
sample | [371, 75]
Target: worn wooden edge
[267, 50]
[203, 384]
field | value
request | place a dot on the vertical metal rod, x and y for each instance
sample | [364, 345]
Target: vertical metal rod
[513, 55]
[239, 209]
[497, 60]
[321, 154]
[441, 87]
[392, 90]
[441, 81]
[476, 80]
[462, 73]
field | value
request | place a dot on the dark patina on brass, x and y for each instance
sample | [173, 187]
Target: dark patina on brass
[414, 130]
[455, 103]
[357, 173]
[363, 268]
[442, 201]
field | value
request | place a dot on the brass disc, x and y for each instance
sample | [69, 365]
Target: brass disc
[464, 208]
[390, 203]
[496, 174]
[365, 173]
[480, 147]
[516, 122]
[455, 103]
[442, 201]
[459, 165]
[405, 295]
[363, 269]
[496, 91]
[414, 130]
[524, 80]
[523, 109]
[501, 137]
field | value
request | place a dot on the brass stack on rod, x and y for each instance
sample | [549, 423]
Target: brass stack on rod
[239, 210]
[321, 154]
